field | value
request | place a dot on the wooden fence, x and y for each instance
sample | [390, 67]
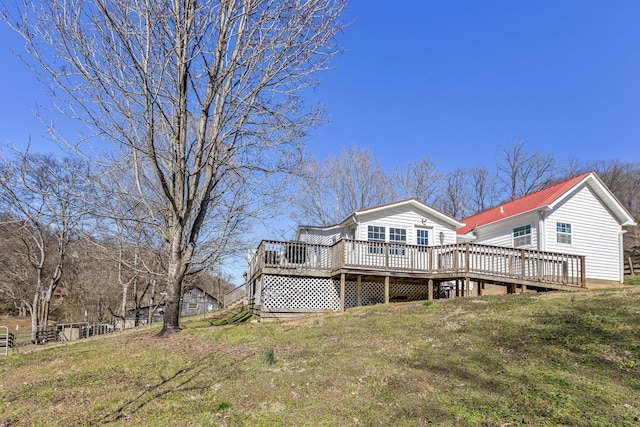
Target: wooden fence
[632, 266]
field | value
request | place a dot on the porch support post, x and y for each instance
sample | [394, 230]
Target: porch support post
[358, 291]
[430, 290]
[342, 288]
[386, 289]
[467, 287]
[480, 285]
[457, 288]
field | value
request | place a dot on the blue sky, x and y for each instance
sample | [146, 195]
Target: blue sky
[451, 80]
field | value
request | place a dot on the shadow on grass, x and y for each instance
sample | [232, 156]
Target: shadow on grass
[178, 382]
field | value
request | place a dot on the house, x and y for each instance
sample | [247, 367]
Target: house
[579, 216]
[551, 240]
[196, 300]
[140, 316]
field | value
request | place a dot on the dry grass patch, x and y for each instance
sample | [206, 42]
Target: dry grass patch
[533, 359]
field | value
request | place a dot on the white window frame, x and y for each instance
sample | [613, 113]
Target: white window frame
[563, 233]
[523, 238]
[418, 237]
[399, 236]
[376, 234]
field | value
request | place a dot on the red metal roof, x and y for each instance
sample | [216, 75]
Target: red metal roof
[524, 204]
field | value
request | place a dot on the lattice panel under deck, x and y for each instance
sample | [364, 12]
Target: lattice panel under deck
[408, 288]
[300, 293]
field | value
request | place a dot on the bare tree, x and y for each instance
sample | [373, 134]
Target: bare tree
[203, 98]
[522, 172]
[421, 180]
[456, 193]
[43, 201]
[483, 193]
[340, 185]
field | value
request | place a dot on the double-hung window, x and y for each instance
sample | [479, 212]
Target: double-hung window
[563, 233]
[522, 236]
[376, 237]
[422, 239]
[397, 235]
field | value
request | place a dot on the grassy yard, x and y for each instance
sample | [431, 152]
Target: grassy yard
[518, 360]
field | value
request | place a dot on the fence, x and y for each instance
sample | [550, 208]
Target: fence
[61, 332]
[7, 340]
[632, 266]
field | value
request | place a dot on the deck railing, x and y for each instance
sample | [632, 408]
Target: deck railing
[294, 255]
[455, 259]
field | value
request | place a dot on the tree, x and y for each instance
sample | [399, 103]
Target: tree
[421, 180]
[483, 192]
[522, 172]
[456, 194]
[43, 203]
[202, 97]
[340, 185]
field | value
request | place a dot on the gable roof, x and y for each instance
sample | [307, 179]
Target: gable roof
[415, 203]
[412, 202]
[547, 199]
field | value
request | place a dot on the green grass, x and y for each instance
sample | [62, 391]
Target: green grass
[632, 280]
[516, 360]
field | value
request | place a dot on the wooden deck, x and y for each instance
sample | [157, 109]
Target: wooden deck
[458, 262]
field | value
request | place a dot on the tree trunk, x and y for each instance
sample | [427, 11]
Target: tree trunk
[175, 274]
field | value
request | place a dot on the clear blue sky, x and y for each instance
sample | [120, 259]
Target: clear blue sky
[452, 80]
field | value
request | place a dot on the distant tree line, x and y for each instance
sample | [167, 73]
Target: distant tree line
[333, 188]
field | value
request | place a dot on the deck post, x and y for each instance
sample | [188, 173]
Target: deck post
[467, 257]
[430, 290]
[524, 288]
[386, 289]
[457, 288]
[480, 284]
[583, 274]
[342, 289]
[467, 287]
[359, 290]
[386, 256]
[431, 258]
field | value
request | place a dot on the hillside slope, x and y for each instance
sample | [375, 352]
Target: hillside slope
[534, 359]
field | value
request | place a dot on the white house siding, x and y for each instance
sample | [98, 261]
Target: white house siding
[594, 234]
[409, 218]
[501, 233]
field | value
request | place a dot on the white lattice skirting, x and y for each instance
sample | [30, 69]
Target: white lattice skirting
[315, 293]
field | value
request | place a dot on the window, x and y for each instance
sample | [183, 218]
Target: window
[522, 236]
[397, 235]
[193, 306]
[376, 235]
[563, 233]
[375, 232]
[422, 238]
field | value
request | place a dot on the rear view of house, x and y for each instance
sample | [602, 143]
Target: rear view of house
[561, 238]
